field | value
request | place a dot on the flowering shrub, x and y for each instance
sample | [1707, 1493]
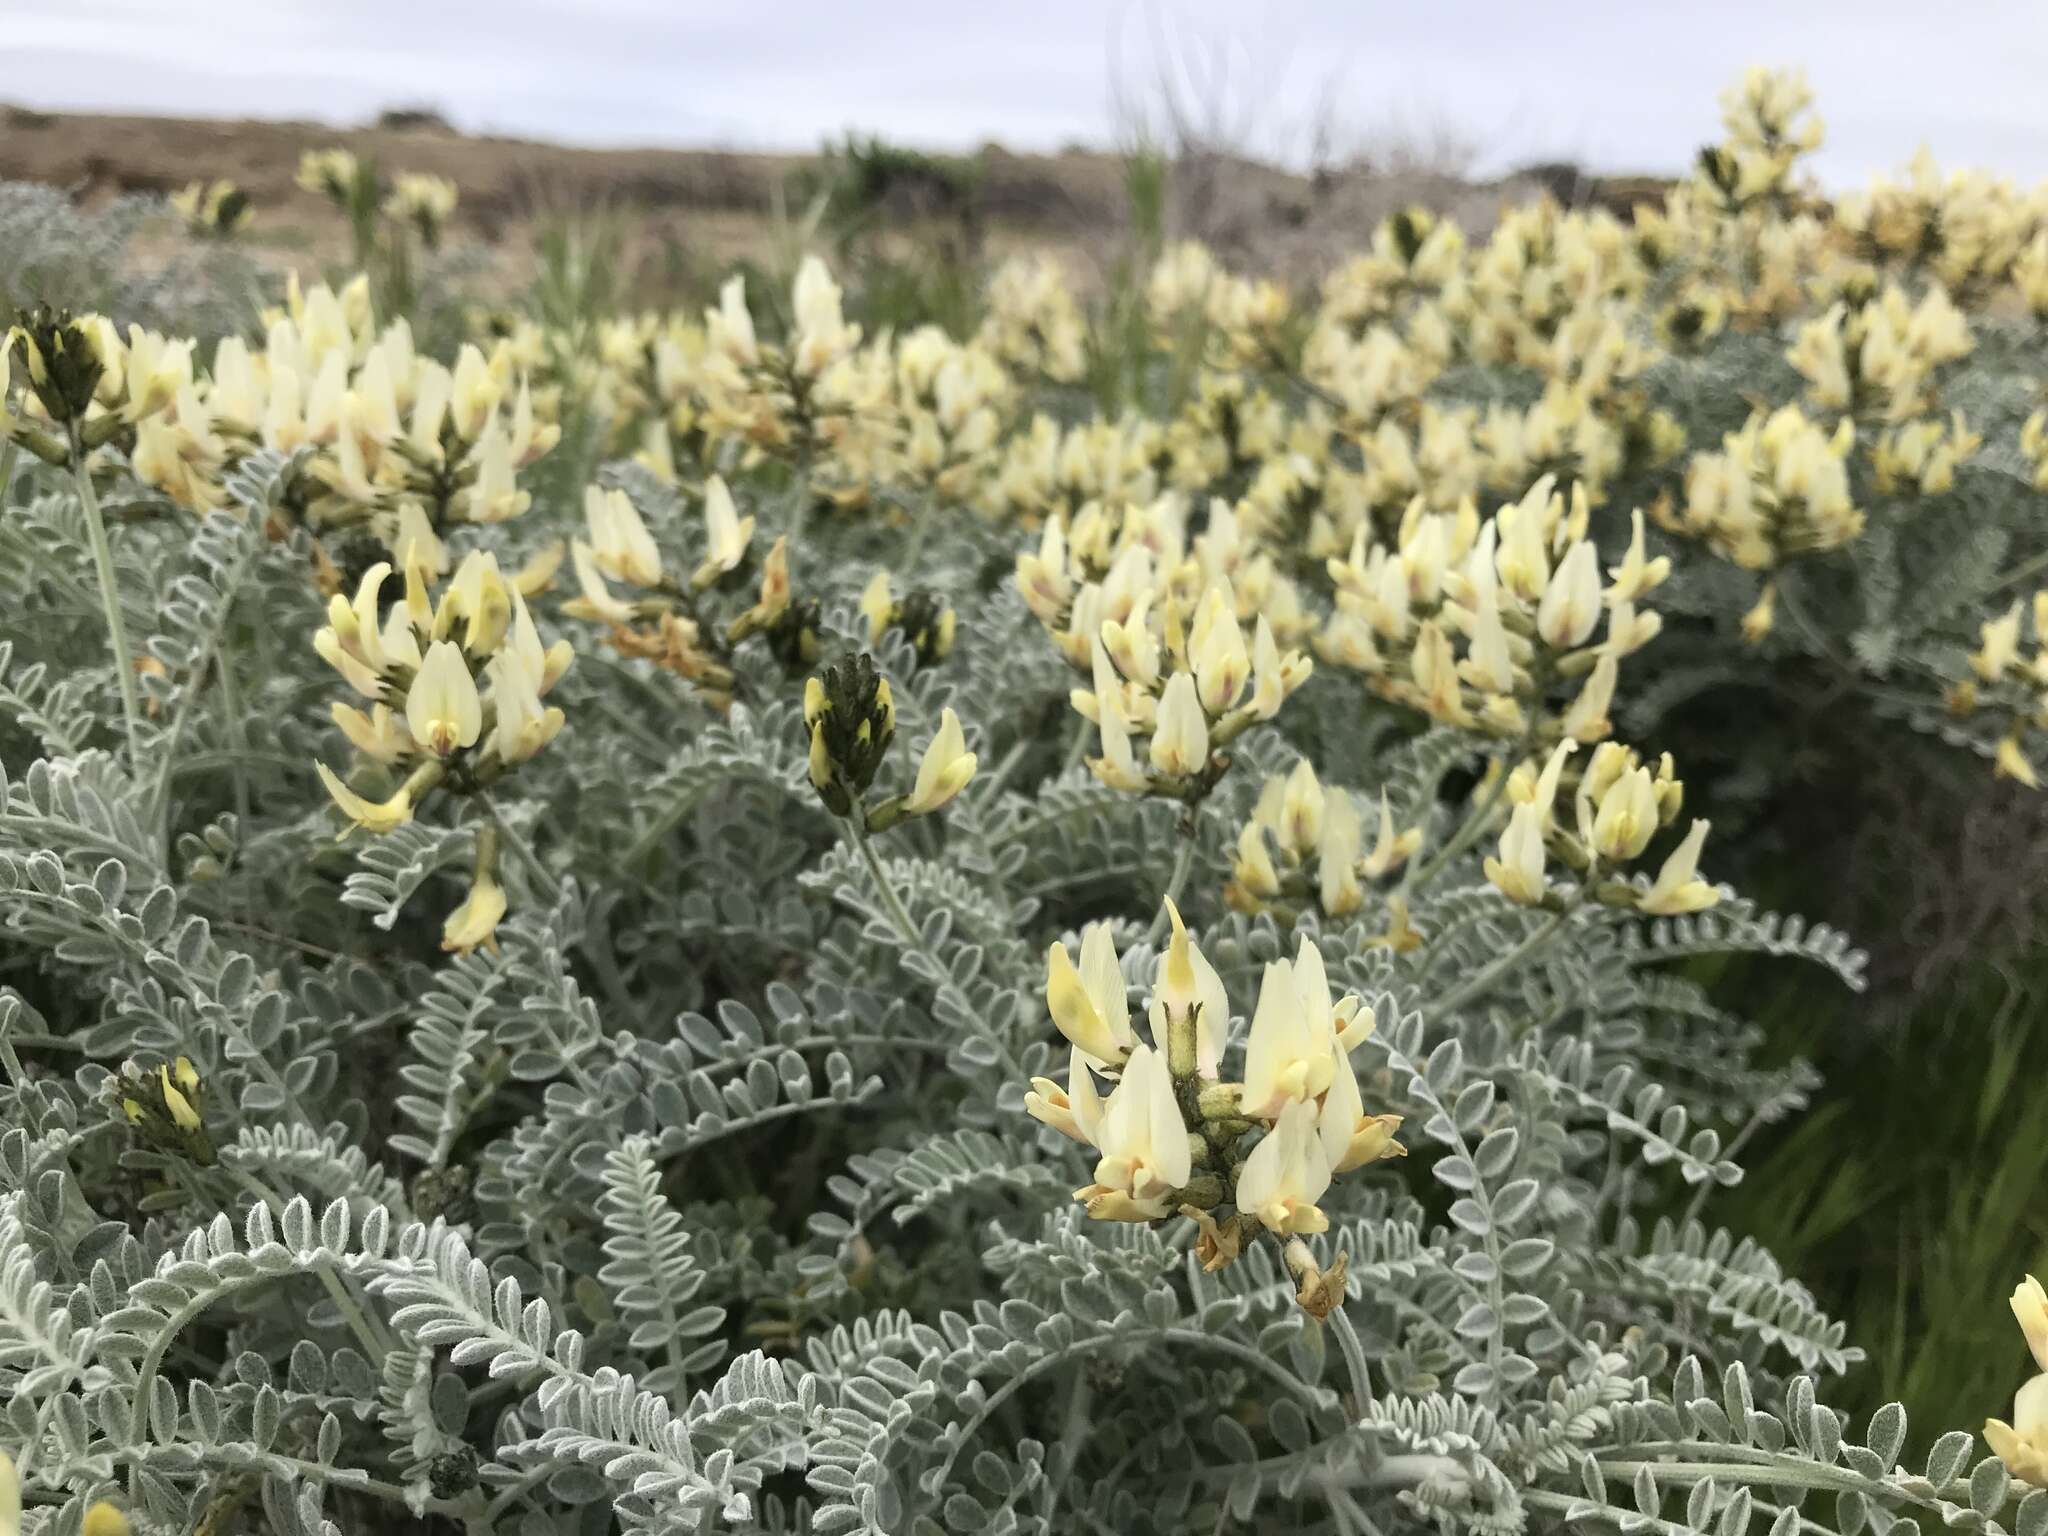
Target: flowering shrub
[923, 955]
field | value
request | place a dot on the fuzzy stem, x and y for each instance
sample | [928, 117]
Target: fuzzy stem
[1354, 1359]
[1007, 766]
[543, 877]
[1078, 747]
[920, 528]
[110, 598]
[891, 902]
[1183, 863]
[900, 919]
[1477, 986]
[1468, 832]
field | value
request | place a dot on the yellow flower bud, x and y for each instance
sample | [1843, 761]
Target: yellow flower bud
[183, 1114]
[1074, 1011]
[369, 815]
[2030, 1306]
[944, 771]
[475, 922]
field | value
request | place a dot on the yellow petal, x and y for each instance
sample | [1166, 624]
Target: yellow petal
[367, 814]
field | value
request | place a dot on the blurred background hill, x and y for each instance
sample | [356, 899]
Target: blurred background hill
[711, 207]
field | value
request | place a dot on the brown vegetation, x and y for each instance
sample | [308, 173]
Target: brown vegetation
[721, 204]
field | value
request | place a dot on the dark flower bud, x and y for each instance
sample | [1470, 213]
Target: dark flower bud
[851, 719]
[61, 358]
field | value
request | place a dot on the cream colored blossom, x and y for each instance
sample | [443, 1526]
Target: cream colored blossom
[442, 709]
[943, 772]
[1286, 1174]
[1144, 1145]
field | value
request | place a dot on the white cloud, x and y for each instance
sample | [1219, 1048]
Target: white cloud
[1618, 86]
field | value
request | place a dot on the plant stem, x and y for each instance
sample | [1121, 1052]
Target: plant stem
[1008, 765]
[543, 876]
[2011, 578]
[800, 509]
[1788, 599]
[1183, 863]
[110, 599]
[1477, 986]
[891, 902]
[900, 919]
[34, 1446]
[1354, 1359]
[920, 528]
[237, 731]
[1468, 832]
[1782, 1473]
[1078, 748]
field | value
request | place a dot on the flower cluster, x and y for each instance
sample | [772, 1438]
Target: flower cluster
[1778, 489]
[2007, 686]
[1620, 804]
[167, 1109]
[850, 719]
[1521, 593]
[671, 620]
[425, 202]
[1178, 637]
[332, 173]
[1970, 232]
[1162, 639]
[1880, 357]
[1048, 471]
[1413, 256]
[1033, 324]
[416, 662]
[85, 386]
[213, 210]
[948, 405]
[925, 619]
[393, 440]
[1770, 123]
[1921, 457]
[1175, 1137]
[775, 398]
[1303, 844]
[2023, 1444]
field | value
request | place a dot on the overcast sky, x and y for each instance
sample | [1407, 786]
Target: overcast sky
[1618, 86]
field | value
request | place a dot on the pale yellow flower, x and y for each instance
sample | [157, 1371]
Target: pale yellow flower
[1518, 872]
[1074, 1111]
[2023, 1444]
[2030, 1306]
[595, 600]
[1286, 1174]
[371, 816]
[877, 606]
[620, 544]
[1180, 736]
[1678, 888]
[442, 709]
[1090, 1005]
[1184, 981]
[945, 769]
[475, 922]
[1144, 1145]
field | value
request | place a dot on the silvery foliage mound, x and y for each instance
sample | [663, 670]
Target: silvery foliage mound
[53, 250]
[706, 1201]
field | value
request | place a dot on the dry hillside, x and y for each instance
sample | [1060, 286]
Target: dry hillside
[714, 204]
